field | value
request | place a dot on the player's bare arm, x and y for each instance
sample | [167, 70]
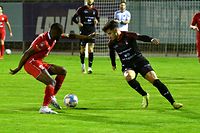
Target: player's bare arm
[23, 60]
[9, 28]
[82, 37]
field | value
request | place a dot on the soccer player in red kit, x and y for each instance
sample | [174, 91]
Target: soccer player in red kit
[32, 60]
[3, 20]
[195, 25]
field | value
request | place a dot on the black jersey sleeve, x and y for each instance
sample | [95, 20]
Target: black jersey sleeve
[144, 38]
[76, 15]
[112, 54]
[97, 16]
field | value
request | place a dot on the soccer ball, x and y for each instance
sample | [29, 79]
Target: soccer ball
[70, 100]
[8, 51]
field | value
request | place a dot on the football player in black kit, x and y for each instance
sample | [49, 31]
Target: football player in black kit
[133, 62]
[89, 18]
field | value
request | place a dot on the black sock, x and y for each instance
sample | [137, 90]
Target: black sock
[163, 90]
[136, 85]
[90, 59]
[82, 57]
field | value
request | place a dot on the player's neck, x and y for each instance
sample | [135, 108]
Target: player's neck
[89, 6]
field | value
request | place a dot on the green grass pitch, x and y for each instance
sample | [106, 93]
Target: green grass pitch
[106, 103]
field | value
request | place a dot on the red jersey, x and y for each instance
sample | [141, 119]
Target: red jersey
[196, 20]
[43, 44]
[3, 19]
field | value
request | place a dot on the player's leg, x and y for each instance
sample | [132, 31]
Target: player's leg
[60, 72]
[90, 56]
[45, 78]
[37, 69]
[152, 77]
[198, 46]
[82, 56]
[1, 49]
[130, 77]
[2, 40]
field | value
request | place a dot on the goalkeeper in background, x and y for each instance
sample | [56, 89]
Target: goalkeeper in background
[133, 62]
[89, 17]
[122, 16]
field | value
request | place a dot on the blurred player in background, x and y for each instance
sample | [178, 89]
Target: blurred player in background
[122, 16]
[87, 18]
[3, 20]
[32, 60]
[195, 25]
[133, 62]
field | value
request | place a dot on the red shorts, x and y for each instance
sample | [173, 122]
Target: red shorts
[2, 34]
[35, 67]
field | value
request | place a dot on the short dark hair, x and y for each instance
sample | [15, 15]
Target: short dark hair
[110, 25]
[57, 26]
[1, 7]
[123, 1]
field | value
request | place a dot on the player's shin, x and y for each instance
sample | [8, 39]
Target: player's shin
[82, 57]
[163, 90]
[136, 85]
[49, 91]
[91, 57]
[2, 50]
[59, 80]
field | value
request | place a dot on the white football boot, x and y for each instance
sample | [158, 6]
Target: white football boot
[46, 110]
[177, 105]
[145, 101]
[89, 70]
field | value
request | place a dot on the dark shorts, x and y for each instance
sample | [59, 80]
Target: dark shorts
[142, 67]
[87, 30]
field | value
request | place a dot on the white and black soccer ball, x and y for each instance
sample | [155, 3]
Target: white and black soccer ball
[71, 100]
[8, 51]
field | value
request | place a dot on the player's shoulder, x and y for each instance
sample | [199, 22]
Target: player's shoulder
[128, 34]
[82, 7]
[118, 11]
[94, 8]
[3, 16]
[197, 14]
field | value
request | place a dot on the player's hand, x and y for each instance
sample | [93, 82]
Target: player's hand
[196, 28]
[80, 24]
[93, 35]
[64, 35]
[114, 68]
[117, 21]
[14, 71]
[11, 34]
[155, 41]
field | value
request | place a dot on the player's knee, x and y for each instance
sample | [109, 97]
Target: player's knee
[63, 71]
[52, 82]
[129, 75]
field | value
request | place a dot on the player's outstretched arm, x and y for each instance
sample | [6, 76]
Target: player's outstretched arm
[82, 37]
[23, 60]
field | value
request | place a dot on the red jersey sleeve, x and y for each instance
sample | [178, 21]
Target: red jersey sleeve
[40, 43]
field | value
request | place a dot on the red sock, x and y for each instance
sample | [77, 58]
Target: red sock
[59, 80]
[2, 50]
[48, 93]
